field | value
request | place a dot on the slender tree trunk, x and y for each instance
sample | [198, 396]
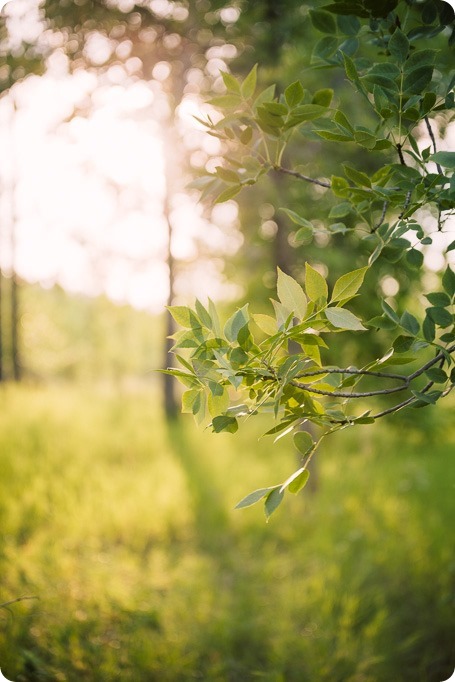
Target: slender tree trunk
[1, 326]
[170, 401]
[169, 393]
[15, 349]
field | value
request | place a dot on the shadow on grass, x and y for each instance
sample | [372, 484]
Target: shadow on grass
[211, 519]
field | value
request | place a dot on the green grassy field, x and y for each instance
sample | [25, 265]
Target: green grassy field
[123, 532]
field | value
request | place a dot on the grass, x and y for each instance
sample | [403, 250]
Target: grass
[123, 529]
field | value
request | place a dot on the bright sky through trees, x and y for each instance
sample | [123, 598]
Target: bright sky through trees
[83, 183]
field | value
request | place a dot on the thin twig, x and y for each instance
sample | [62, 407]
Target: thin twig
[14, 601]
[300, 176]
[381, 219]
[344, 394]
[350, 370]
[400, 154]
[430, 132]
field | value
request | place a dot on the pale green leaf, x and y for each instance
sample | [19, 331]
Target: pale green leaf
[254, 497]
[315, 284]
[348, 285]
[296, 481]
[344, 319]
[303, 442]
[266, 322]
[272, 501]
[249, 84]
[291, 294]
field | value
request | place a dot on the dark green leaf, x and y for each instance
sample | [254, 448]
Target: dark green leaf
[414, 258]
[399, 45]
[409, 323]
[225, 423]
[439, 299]
[428, 329]
[437, 375]
[402, 344]
[448, 281]
[323, 21]
[445, 159]
[235, 323]
[389, 311]
[441, 316]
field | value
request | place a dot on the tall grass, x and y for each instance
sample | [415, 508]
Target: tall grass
[122, 528]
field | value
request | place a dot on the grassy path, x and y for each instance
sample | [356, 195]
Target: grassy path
[123, 529]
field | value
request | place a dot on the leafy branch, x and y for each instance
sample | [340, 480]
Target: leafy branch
[244, 367]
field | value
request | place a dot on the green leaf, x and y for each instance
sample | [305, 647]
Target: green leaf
[266, 322]
[226, 174]
[184, 316]
[191, 401]
[437, 375]
[339, 186]
[439, 299]
[308, 112]
[340, 210]
[228, 193]
[291, 295]
[348, 285]
[315, 284]
[414, 258]
[399, 46]
[356, 176]
[218, 404]
[428, 329]
[445, 159]
[272, 501]
[409, 323]
[204, 316]
[323, 21]
[294, 94]
[254, 497]
[351, 71]
[303, 442]
[249, 84]
[235, 323]
[402, 343]
[225, 101]
[225, 423]
[344, 319]
[296, 218]
[230, 82]
[389, 311]
[448, 281]
[296, 481]
[441, 316]
[323, 97]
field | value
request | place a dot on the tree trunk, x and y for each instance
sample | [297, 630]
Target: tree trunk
[1, 326]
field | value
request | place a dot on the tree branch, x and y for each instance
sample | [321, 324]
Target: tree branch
[300, 176]
[350, 370]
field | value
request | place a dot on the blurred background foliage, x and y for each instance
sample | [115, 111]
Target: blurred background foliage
[120, 524]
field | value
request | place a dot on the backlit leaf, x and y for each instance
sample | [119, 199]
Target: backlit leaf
[315, 284]
[343, 319]
[348, 285]
[291, 294]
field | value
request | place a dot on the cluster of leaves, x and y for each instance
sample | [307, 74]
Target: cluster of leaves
[244, 367]
[250, 364]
